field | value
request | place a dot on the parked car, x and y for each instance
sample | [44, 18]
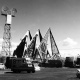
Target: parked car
[2, 66]
[21, 64]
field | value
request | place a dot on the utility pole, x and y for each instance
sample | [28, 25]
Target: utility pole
[6, 45]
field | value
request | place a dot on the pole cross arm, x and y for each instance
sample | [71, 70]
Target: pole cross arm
[13, 12]
[6, 11]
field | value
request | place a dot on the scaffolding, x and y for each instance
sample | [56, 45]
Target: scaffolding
[6, 45]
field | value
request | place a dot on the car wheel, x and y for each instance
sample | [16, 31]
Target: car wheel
[33, 71]
[28, 71]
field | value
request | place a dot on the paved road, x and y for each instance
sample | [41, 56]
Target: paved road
[43, 74]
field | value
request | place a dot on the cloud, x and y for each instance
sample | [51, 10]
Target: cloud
[68, 47]
[71, 52]
[68, 42]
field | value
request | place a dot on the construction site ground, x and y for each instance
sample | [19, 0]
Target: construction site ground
[43, 74]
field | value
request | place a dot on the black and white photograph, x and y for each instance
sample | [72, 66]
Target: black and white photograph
[40, 40]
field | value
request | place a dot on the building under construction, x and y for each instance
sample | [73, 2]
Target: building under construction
[40, 49]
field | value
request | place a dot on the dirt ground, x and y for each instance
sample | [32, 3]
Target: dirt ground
[43, 74]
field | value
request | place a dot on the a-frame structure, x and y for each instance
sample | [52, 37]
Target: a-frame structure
[30, 51]
[38, 41]
[48, 48]
[54, 48]
[43, 47]
[28, 40]
[19, 51]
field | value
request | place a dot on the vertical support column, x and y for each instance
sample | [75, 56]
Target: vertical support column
[6, 45]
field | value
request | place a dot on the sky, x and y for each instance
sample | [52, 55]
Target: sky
[62, 16]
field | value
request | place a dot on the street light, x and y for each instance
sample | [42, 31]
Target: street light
[8, 13]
